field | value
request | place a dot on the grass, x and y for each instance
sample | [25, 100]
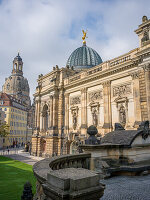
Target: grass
[13, 175]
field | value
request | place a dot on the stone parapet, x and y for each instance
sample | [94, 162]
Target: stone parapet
[67, 177]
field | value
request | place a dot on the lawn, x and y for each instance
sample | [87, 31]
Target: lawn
[13, 176]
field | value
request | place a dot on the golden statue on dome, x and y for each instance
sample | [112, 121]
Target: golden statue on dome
[84, 36]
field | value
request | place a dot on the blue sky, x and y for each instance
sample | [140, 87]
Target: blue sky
[47, 31]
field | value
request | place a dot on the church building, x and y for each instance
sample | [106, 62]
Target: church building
[91, 92]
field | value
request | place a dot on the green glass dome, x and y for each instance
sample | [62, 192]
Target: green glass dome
[83, 58]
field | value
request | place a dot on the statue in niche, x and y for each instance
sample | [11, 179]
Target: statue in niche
[74, 116]
[122, 115]
[94, 116]
[145, 37]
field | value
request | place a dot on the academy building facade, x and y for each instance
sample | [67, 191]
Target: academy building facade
[91, 92]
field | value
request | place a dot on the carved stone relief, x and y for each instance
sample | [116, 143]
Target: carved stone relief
[75, 100]
[121, 90]
[122, 107]
[122, 114]
[74, 112]
[95, 95]
[94, 112]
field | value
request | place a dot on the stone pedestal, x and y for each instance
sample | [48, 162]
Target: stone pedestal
[72, 183]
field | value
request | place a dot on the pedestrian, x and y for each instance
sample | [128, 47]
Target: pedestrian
[8, 151]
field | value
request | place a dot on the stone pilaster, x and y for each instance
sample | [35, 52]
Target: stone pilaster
[51, 111]
[66, 114]
[38, 114]
[146, 68]
[84, 111]
[49, 145]
[55, 113]
[61, 112]
[107, 106]
[136, 97]
[36, 108]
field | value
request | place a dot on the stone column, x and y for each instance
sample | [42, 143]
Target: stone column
[36, 108]
[61, 112]
[38, 114]
[84, 111]
[51, 111]
[146, 68]
[107, 106]
[41, 122]
[55, 113]
[48, 118]
[136, 97]
[66, 114]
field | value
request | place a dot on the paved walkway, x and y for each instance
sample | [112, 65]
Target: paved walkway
[24, 157]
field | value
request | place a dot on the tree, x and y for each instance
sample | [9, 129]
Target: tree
[4, 130]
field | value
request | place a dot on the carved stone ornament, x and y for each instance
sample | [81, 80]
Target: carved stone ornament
[95, 95]
[106, 83]
[75, 100]
[146, 67]
[121, 90]
[74, 112]
[145, 36]
[94, 112]
[122, 115]
[134, 75]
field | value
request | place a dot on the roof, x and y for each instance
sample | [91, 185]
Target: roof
[83, 58]
[8, 100]
[120, 137]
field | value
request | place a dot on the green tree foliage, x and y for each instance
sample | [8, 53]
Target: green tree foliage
[4, 129]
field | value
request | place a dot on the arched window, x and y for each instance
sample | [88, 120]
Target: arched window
[45, 117]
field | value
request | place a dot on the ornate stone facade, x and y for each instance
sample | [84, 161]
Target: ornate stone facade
[114, 91]
[16, 85]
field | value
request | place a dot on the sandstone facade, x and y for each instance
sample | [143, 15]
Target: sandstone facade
[68, 100]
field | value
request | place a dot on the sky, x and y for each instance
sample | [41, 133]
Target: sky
[46, 32]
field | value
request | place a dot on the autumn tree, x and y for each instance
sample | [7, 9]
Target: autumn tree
[4, 129]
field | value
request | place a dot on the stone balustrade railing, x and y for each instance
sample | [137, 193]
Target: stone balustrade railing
[60, 177]
[120, 60]
[70, 161]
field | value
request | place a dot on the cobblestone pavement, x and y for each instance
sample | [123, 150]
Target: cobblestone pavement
[127, 188]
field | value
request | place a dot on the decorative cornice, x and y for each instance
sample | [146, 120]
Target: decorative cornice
[106, 83]
[83, 90]
[146, 67]
[134, 75]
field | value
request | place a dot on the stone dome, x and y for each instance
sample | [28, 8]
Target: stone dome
[16, 84]
[83, 58]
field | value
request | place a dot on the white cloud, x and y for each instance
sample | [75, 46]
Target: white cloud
[47, 31]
